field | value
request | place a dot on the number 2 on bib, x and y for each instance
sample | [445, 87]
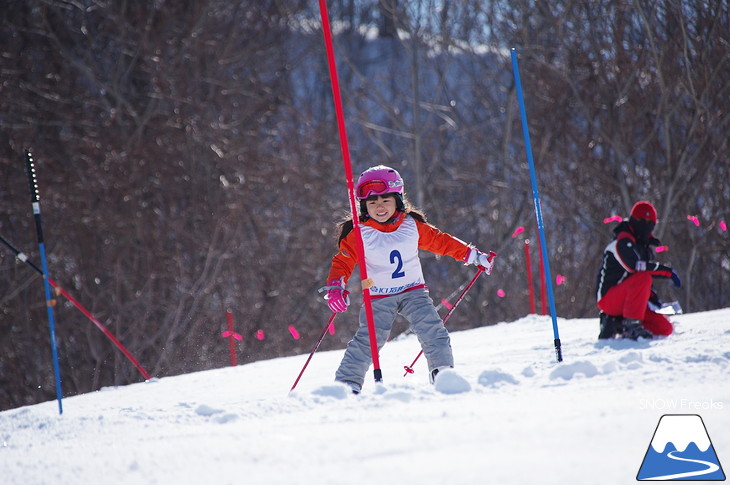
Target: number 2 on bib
[397, 259]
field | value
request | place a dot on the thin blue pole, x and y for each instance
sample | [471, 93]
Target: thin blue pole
[51, 327]
[538, 210]
[35, 199]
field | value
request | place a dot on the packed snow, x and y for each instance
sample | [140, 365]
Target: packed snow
[508, 414]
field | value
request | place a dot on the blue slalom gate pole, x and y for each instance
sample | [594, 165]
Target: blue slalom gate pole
[538, 210]
[35, 199]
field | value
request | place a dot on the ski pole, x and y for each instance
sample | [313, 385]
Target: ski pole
[341, 128]
[480, 270]
[445, 302]
[316, 346]
[35, 201]
[24, 258]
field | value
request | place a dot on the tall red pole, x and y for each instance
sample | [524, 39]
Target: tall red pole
[350, 187]
[530, 287]
[543, 297]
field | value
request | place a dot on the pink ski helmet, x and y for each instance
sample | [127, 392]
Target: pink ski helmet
[379, 180]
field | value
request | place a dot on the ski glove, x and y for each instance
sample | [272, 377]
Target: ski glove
[481, 259]
[675, 279]
[337, 297]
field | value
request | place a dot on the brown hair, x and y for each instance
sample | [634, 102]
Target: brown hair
[346, 225]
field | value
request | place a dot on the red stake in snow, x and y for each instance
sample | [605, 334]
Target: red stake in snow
[232, 337]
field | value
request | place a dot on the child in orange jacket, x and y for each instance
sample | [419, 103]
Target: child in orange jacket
[392, 233]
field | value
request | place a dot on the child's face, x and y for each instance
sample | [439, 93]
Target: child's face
[381, 208]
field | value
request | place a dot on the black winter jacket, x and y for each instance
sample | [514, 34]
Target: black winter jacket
[626, 255]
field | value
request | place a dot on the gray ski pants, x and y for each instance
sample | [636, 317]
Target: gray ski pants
[416, 307]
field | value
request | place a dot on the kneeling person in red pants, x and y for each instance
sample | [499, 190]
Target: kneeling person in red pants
[625, 280]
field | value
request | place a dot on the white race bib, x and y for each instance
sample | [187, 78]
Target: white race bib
[392, 258]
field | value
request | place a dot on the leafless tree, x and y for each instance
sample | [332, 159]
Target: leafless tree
[189, 162]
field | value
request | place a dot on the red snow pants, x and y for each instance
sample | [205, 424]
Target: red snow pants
[630, 299]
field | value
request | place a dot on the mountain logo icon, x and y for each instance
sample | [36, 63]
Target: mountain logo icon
[681, 450]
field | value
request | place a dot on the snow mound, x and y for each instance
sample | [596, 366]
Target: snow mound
[448, 381]
[495, 378]
[205, 410]
[218, 415]
[337, 391]
[570, 371]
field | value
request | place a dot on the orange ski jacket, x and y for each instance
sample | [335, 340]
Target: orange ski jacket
[430, 239]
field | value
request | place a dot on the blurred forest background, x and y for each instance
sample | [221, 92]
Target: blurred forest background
[189, 163]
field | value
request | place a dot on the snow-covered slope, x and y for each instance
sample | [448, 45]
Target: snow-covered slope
[524, 419]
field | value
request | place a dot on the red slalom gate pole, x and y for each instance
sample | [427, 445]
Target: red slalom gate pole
[327, 31]
[232, 337]
[530, 287]
[543, 297]
[316, 346]
[480, 270]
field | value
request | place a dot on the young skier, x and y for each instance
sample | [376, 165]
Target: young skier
[392, 233]
[625, 279]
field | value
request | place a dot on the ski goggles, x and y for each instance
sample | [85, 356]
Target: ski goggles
[377, 187]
